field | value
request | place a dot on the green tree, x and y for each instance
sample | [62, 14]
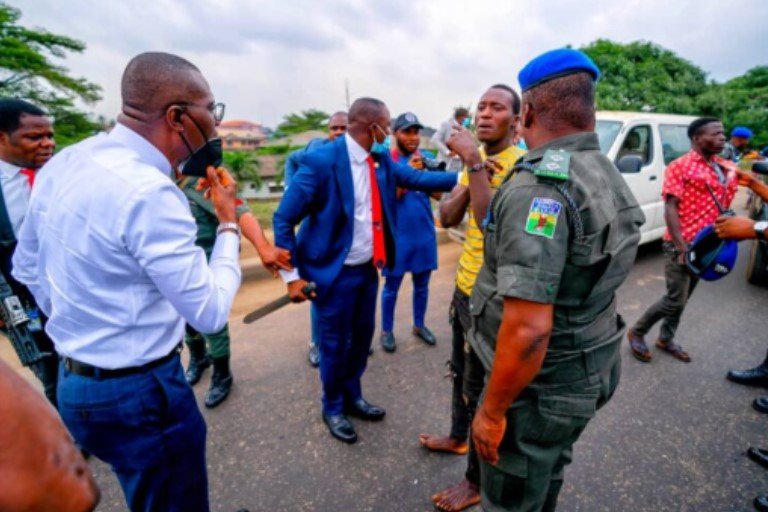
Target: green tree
[644, 76]
[245, 168]
[741, 101]
[27, 70]
[307, 120]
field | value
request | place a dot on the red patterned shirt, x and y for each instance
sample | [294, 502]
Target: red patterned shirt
[686, 178]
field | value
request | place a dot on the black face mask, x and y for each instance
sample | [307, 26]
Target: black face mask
[209, 154]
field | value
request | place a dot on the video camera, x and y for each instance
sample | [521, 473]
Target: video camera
[19, 325]
[430, 164]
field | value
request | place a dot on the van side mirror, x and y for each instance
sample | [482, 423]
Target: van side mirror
[760, 168]
[630, 164]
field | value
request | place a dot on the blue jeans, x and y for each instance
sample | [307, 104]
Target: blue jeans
[389, 298]
[148, 428]
[346, 321]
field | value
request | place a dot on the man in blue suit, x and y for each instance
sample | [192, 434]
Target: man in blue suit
[346, 234]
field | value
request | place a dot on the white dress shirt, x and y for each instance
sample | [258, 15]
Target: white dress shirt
[362, 226]
[108, 250]
[16, 192]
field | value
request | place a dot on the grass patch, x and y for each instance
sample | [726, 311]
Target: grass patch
[263, 210]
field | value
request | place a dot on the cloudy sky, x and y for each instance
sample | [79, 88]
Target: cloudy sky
[267, 58]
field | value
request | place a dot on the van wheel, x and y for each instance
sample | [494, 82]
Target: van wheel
[757, 273]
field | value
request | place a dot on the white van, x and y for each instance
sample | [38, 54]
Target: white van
[642, 145]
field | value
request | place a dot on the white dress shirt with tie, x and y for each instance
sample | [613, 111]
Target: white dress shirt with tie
[16, 192]
[108, 250]
[362, 226]
[361, 250]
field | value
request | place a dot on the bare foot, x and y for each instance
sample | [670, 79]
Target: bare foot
[443, 444]
[460, 496]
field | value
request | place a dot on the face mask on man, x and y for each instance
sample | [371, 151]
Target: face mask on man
[379, 148]
[209, 154]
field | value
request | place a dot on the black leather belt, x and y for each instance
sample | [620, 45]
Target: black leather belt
[86, 370]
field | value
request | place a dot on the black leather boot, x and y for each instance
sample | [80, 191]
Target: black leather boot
[221, 382]
[198, 359]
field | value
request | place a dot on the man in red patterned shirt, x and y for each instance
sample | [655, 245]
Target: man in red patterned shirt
[691, 184]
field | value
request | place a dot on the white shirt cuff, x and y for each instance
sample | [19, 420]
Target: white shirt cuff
[227, 244]
[289, 276]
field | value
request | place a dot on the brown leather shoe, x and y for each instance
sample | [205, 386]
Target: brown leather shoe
[673, 349]
[638, 347]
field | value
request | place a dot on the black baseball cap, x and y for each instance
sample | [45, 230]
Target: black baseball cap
[405, 121]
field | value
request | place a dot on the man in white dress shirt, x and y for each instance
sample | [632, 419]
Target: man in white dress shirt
[26, 143]
[108, 249]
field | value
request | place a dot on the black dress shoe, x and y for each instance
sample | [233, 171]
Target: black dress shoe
[758, 455]
[761, 503]
[340, 428]
[754, 377]
[425, 335]
[314, 355]
[365, 411]
[388, 342]
[761, 404]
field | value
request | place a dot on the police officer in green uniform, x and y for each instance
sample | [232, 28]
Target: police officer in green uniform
[561, 235]
[217, 352]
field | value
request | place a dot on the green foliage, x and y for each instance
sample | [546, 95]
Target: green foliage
[644, 76]
[28, 70]
[741, 101]
[244, 166]
[307, 120]
[277, 149]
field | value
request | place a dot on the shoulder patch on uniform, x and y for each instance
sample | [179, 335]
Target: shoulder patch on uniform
[555, 165]
[542, 217]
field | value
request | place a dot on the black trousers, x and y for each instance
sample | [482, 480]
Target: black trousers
[468, 380]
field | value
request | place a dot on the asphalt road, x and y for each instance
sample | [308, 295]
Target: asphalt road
[672, 439]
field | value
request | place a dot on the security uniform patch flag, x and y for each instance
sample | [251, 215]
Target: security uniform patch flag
[542, 217]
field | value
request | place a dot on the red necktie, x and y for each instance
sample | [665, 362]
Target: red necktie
[379, 247]
[30, 174]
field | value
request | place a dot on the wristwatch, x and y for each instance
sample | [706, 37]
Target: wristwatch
[228, 226]
[476, 168]
[760, 228]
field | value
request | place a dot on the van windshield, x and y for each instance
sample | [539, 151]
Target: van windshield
[607, 132]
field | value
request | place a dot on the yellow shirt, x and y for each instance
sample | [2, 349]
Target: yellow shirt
[472, 257]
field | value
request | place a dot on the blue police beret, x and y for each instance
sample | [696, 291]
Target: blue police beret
[711, 257]
[555, 64]
[742, 131]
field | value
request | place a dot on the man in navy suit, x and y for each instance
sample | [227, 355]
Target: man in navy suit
[347, 233]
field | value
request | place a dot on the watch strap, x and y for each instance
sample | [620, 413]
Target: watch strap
[760, 229]
[228, 226]
[476, 168]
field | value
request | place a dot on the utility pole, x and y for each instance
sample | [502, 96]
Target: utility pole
[346, 91]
